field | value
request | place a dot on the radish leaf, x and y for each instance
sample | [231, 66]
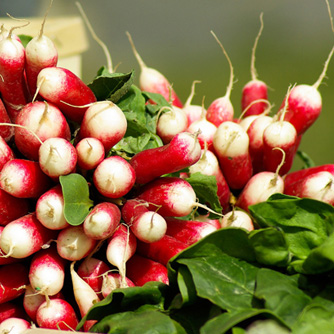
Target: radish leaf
[77, 203]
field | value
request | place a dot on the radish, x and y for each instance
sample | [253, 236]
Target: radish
[6, 132]
[90, 152]
[32, 301]
[24, 236]
[141, 270]
[120, 248]
[305, 103]
[11, 310]
[9, 259]
[93, 272]
[57, 156]
[153, 81]
[40, 53]
[239, 219]
[147, 226]
[105, 121]
[13, 279]
[6, 153]
[58, 314]
[231, 145]
[39, 121]
[221, 109]
[255, 89]
[170, 196]
[113, 281]
[84, 295]
[170, 123]
[47, 272]
[66, 90]
[183, 151]
[114, 177]
[188, 231]
[24, 179]
[162, 250]
[73, 244]
[102, 221]
[205, 218]
[50, 209]
[14, 325]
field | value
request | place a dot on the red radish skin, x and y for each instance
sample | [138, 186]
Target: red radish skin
[205, 218]
[66, 90]
[147, 226]
[6, 152]
[90, 152]
[47, 272]
[56, 314]
[73, 244]
[141, 270]
[105, 121]
[11, 310]
[24, 236]
[13, 279]
[24, 178]
[188, 231]
[162, 250]
[151, 80]
[238, 219]
[43, 119]
[183, 151]
[114, 177]
[112, 281]
[102, 221]
[50, 209]
[221, 109]
[6, 132]
[231, 145]
[246, 122]
[12, 207]
[14, 326]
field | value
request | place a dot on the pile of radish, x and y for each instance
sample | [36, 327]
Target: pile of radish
[140, 209]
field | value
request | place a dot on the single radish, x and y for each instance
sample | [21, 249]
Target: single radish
[6, 132]
[13, 279]
[105, 121]
[188, 231]
[304, 103]
[162, 250]
[153, 81]
[9, 259]
[50, 209]
[239, 219]
[194, 112]
[113, 281]
[57, 156]
[255, 89]
[170, 196]
[24, 236]
[40, 52]
[14, 325]
[221, 109]
[208, 164]
[114, 177]
[73, 244]
[141, 270]
[24, 179]
[57, 314]
[183, 151]
[318, 185]
[39, 121]
[31, 302]
[6, 152]
[47, 272]
[66, 90]
[11, 310]
[120, 248]
[84, 295]
[231, 145]
[92, 271]
[90, 152]
[147, 226]
[102, 221]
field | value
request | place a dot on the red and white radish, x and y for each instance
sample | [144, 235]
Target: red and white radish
[114, 177]
[6, 152]
[6, 132]
[183, 151]
[14, 325]
[221, 109]
[7, 259]
[239, 219]
[11, 310]
[112, 281]
[90, 152]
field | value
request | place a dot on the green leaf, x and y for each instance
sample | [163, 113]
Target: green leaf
[25, 39]
[77, 203]
[158, 99]
[308, 162]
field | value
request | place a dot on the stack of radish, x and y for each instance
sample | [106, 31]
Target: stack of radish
[51, 272]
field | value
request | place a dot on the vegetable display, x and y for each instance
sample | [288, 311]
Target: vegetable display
[125, 210]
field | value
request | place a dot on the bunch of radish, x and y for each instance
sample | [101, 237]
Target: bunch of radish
[142, 210]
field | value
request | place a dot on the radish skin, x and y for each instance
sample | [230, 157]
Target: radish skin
[90, 152]
[14, 325]
[193, 112]
[112, 281]
[239, 219]
[6, 132]
[11, 310]
[6, 153]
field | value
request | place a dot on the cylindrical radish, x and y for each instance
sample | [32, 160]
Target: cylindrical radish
[183, 151]
[237, 218]
[90, 153]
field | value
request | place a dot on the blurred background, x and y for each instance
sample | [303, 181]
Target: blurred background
[174, 37]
